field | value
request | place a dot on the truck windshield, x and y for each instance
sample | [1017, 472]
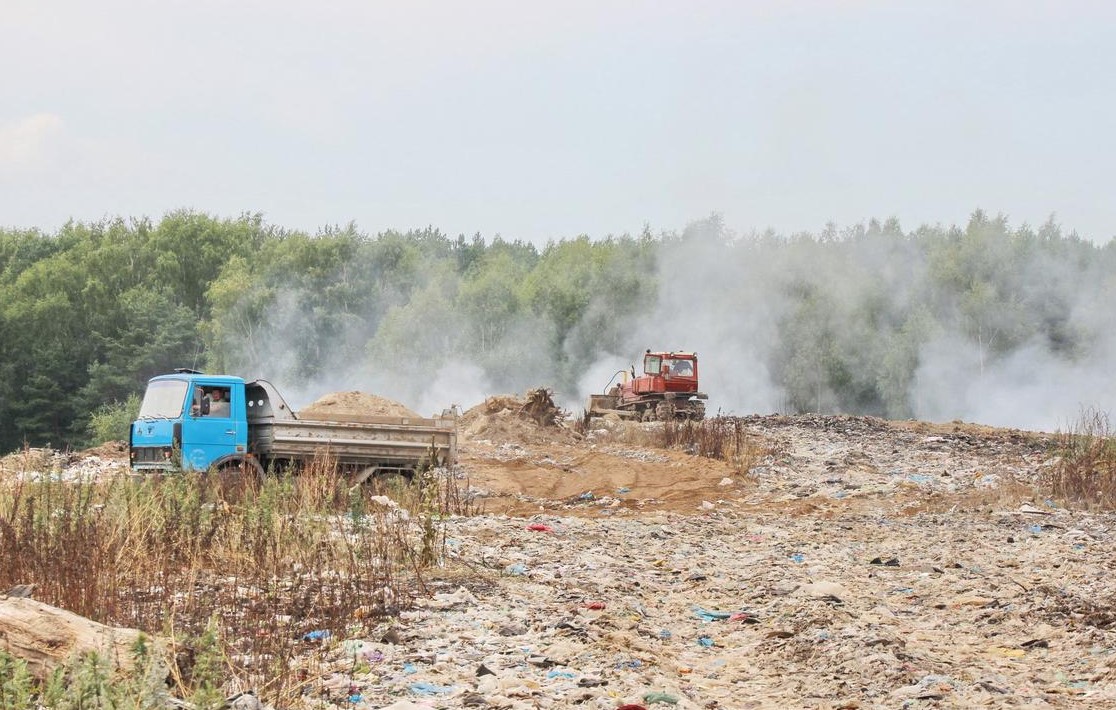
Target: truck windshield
[163, 399]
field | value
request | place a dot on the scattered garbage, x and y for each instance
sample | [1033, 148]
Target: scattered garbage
[859, 563]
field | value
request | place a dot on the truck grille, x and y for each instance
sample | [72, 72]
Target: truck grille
[151, 455]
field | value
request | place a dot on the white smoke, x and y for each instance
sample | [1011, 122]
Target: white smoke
[867, 303]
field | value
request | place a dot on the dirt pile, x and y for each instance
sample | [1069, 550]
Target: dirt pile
[355, 404]
[534, 418]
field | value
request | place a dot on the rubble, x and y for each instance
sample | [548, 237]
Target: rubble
[716, 611]
[851, 562]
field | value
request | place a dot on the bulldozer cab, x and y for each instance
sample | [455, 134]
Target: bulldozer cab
[673, 364]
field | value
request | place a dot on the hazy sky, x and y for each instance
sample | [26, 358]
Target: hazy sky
[546, 120]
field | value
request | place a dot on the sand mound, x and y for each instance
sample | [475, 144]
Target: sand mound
[359, 404]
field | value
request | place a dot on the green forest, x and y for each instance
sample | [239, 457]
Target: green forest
[843, 320]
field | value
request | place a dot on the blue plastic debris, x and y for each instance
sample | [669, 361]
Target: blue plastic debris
[319, 635]
[429, 689]
[798, 557]
[710, 615]
[560, 674]
[409, 669]
[705, 641]
[1036, 529]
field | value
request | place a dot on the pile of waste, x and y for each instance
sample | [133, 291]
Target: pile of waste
[531, 418]
[34, 464]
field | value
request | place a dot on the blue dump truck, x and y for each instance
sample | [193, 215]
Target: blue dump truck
[193, 421]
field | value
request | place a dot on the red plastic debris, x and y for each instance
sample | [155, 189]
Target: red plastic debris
[595, 606]
[539, 527]
[631, 706]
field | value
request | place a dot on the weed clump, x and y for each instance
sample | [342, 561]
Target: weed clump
[1085, 472]
[720, 438]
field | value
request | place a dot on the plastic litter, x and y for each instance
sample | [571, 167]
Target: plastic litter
[710, 615]
[659, 698]
[431, 689]
[778, 578]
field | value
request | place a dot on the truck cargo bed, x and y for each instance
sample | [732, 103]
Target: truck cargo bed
[355, 441]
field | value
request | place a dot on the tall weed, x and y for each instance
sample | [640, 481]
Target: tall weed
[1085, 472]
[250, 573]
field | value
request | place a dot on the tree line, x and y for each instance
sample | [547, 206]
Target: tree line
[90, 312]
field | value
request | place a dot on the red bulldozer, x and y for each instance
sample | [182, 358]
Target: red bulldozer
[668, 389]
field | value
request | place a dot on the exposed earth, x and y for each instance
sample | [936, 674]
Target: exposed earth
[838, 562]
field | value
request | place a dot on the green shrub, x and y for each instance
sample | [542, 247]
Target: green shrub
[111, 421]
[16, 683]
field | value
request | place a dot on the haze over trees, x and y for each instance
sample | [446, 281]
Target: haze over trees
[939, 322]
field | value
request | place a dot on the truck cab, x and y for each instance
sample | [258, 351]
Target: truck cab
[190, 420]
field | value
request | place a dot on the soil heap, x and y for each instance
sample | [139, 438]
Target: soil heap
[361, 404]
[507, 418]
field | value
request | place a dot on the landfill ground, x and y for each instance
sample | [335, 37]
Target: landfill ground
[858, 564]
[853, 563]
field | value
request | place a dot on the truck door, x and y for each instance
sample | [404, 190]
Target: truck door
[209, 430]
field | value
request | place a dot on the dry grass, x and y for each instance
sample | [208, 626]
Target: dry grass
[255, 567]
[1085, 473]
[720, 438]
